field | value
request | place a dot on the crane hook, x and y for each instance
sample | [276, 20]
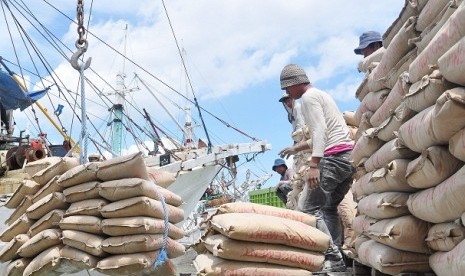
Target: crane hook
[75, 57]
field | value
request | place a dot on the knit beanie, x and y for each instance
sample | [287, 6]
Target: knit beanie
[292, 74]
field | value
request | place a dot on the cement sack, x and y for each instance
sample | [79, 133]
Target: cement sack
[358, 242]
[392, 101]
[445, 236]
[386, 131]
[411, 8]
[141, 243]
[80, 174]
[396, 50]
[347, 210]
[229, 249]
[88, 224]
[8, 251]
[362, 89]
[450, 263]
[434, 165]
[424, 93]
[39, 243]
[139, 225]
[269, 229]
[162, 178]
[34, 167]
[44, 176]
[371, 102]
[390, 178]
[401, 67]
[19, 226]
[392, 261]
[390, 151]
[437, 124]
[457, 145]
[45, 263]
[404, 233]
[49, 188]
[86, 242]
[87, 190]
[361, 187]
[46, 204]
[365, 146]
[73, 260]
[26, 188]
[352, 132]
[89, 207]
[441, 203]
[17, 267]
[135, 265]
[247, 207]
[132, 187]
[129, 166]
[364, 125]
[48, 221]
[209, 265]
[452, 31]
[384, 205]
[20, 210]
[429, 13]
[366, 62]
[452, 63]
[361, 223]
[141, 206]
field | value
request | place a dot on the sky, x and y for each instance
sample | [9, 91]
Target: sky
[233, 51]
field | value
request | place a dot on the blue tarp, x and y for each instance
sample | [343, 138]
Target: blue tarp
[12, 96]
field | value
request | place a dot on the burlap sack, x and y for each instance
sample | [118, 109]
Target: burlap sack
[445, 236]
[46, 204]
[129, 166]
[141, 243]
[139, 225]
[65, 163]
[434, 165]
[361, 186]
[384, 205]
[376, 56]
[34, 167]
[20, 210]
[452, 63]
[45, 263]
[270, 229]
[404, 233]
[358, 242]
[141, 206]
[450, 263]
[411, 8]
[401, 66]
[362, 89]
[80, 174]
[86, 242]
[390, 260]
[347, 210]
[431, 10]
[27, 188]
[361, 223]
[247, 207]
[442, 203]
[132, 187]
[48, 221]
[229, 249]
[40, 242]
[8, 251]
[209, 265]
[89, 207]
[19, 226]
[424, 93]
[79, 192]
[388, 129]
[49, 188]
[457, 145]
[390, 178]
[365, 146]
[437, 124]
[371, 102]
[390, 151]
[160, 177]
[88, 224]
[73, 260]
[452, 31]
[17, 267]
[364, 125]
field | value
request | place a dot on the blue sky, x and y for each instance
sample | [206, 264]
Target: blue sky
[235, 51]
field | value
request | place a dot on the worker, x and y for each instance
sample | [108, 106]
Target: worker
[284, 184]
[293, 110]
[369, 42]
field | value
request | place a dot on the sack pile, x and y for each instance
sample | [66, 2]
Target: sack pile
[246, 238]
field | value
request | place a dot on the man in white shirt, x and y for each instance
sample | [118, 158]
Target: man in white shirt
[294, 113]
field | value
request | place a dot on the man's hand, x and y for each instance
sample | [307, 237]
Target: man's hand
[313, 178]
[286, 152]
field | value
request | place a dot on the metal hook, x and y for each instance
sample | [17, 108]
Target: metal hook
[75, 57]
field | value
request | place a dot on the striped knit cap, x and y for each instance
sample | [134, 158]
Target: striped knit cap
[292, 74]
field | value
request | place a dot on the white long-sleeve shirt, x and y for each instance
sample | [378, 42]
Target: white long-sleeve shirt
[322, 116]
[298, 121]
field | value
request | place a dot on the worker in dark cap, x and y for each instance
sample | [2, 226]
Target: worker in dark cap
[284, 184]
[369, 43]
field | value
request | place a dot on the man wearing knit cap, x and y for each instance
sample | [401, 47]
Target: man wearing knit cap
[369, 43]
[330, 173]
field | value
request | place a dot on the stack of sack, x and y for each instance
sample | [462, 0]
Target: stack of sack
[410, 156]
[248, 238]
[107, 216]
